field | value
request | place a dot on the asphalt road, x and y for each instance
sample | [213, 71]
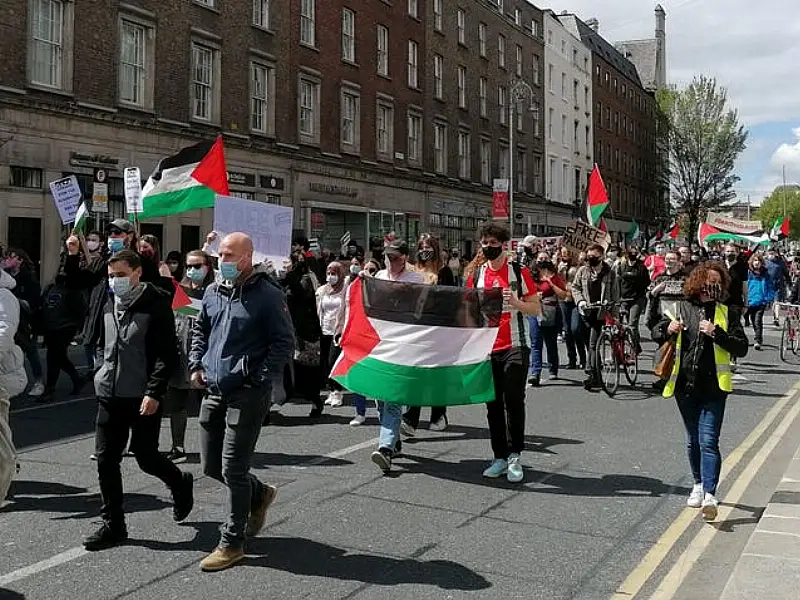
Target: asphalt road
[605, 479]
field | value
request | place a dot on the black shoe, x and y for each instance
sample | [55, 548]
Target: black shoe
[46, 397]
[79, 383]
[316, 412]
[590, 383]
[107, 536]
[177, 455]
[776, 323]
[398, 448]
[534, 381]
[572, 366]
[183, 498]
[659, 385]
[383, 458]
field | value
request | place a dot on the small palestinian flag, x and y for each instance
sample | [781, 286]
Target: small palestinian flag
[419, 345]
[81, 218]
[673, 233]
[633, 232]
[185, 302]
[780, 230]
[187, 181]
[597, 201]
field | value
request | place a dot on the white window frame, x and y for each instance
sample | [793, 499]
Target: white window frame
[440, 148]
[350, 109]
[437, 15]
[261, 14]
[308, 108]
[414, 137]
[262, 98]
[517, 17]
[308, 23]
[461, 26]
[483, 87]
[537, 74]
[519, 60]
[55, 45]
[502, 104]
[382, 49]
[486, 161]
[348, 35]
[461, 80]
[501, 50]
[208, 81]
[438, 76]
[413, 8]
[413, 64]
[464, 159]
[384, 129]
[482, 39]
[551, 113]
[144, 69]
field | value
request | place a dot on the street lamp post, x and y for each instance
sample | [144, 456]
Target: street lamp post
[516, 93]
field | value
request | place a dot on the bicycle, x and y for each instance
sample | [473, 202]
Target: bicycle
[790, 333]
[616, 350]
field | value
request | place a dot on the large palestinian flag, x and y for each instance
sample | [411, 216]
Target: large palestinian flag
[187, 181]
[597, 200]
[707, 233]
[419, 345]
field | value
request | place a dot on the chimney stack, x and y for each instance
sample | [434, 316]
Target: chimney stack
[661, 47]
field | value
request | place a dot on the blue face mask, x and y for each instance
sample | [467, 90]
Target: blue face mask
[229, 271]
[116, 245]
[196, 274]
[120, 286]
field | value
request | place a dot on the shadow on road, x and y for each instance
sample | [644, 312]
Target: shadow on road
[533, 443]
[756, 393]
[32, 496]
[6, 594]
[729, 525]
[279, 459]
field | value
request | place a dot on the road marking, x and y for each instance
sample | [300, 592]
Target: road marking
[651, 561]
[19, 411]
[43, 565]
[338, 454]
[673, 580]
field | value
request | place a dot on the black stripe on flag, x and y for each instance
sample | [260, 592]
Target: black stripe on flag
[432, 305]
[186, 156]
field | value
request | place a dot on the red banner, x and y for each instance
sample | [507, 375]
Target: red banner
[500, 199]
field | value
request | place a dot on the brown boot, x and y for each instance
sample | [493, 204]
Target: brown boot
[221, 559]
[259, 516]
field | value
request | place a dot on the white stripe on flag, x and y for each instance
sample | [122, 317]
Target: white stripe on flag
[427, 346]
[175, 179]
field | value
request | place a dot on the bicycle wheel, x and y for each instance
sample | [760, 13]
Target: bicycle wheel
[785, 335]
[631, 358]
[607, 364]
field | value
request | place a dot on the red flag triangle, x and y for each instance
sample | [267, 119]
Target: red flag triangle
[181, 298]
[211, 171]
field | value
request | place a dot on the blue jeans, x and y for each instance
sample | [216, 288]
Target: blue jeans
[390, 416]
[360, 402]
[541, 337]
[567, 308]
[702, 414]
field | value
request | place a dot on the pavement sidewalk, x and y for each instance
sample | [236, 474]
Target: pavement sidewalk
[769, 567]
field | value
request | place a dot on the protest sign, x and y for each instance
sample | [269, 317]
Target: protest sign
[269, 226]
[133, 190]
[500, 199]
[578, 236]
[731, 225]
[67, 195]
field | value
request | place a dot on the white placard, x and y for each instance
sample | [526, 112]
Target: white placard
[133, 190]
[67, 195]
[100, 198]
[269, 226]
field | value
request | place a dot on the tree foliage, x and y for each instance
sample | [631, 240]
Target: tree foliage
[772, 209]
[704, 139]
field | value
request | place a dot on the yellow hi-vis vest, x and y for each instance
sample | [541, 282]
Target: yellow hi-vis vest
[722, 358]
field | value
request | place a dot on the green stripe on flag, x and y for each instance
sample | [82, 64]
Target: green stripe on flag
[178, 201]
[596, 212]
[433, 386]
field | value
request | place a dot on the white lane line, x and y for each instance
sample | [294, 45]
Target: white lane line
[19, 411]
[43, 565]
[78, 551]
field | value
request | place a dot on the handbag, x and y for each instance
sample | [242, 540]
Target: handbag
[666, 360]
[549, 315]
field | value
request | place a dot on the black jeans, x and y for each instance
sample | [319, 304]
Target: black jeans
[412, 415]
[506, 413]
[595, 327]
[328, 353]
[177, 406]
[116, 419]
[57, 343]
[756, 314]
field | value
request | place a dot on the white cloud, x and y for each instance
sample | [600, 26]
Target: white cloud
[788, 155]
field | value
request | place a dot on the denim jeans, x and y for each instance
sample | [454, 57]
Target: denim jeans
[579, 334]
[702, 414]
[635, 310]
[360, 402]
[229, 429]
[756, 314]
[390, 415]
[544, 337]
[567, 308]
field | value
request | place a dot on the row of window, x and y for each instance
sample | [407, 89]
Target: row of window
[622, 162]
[576, 89]
[630, 201]
[577, 59]
[623, 126]
[581, 136]
[635, 99]
[565, 183]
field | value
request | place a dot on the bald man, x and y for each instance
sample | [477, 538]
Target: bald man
[241, 341]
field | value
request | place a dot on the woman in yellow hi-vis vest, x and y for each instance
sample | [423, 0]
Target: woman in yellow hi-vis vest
[708, 334]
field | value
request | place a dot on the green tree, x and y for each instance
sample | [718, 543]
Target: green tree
[772, 209]
[703, 137]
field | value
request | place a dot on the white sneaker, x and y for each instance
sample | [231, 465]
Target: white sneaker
[439, 425]
[407, 430]
[335, 398]
[515, 473]
[710, 505]
[358, 420]
[498, 468]
[696, 497]
[37, 389]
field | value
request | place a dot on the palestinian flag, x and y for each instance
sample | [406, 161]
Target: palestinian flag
[780, 230]
[633, 231]
[187, 181]
[707, 234]
[673, 233]
[598, 198]
[185, 302]
[81, 218]
[419, 345]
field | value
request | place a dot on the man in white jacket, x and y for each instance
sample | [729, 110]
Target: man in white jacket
[12, 376]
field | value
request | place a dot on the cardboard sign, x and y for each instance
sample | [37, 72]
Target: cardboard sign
[579, 236]
[268, 225]
[133, 190]
[67, 196]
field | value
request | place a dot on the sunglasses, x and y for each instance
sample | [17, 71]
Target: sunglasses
[372, 271]
[114, 231]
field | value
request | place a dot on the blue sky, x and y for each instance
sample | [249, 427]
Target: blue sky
[752, 49]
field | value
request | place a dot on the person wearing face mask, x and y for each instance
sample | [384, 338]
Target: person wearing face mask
[737, 272]
[574, 334]
[140, 355]
[330, 303]
[688, 261]
[779, 276]
[510, 355]
[612, 256]
[454, 263]
[760, 294]
[150, 251]
[241, 341]
[546, 327]
[667, 290]
[594, 282]
[707, 335]
[174, 263]
[390, 413]
[634, 280]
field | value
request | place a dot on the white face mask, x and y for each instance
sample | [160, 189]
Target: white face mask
[333, 279]
[92, 245]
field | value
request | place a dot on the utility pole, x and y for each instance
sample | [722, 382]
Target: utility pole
[516, 93]
[783, 191]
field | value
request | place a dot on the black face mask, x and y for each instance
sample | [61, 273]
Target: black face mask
[730, 256]
[593, 260]
[633, 256]
[713, 290]
[425, 255]
[492, 252]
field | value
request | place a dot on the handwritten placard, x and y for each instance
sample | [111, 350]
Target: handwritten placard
[579, 236]
[269, 226]
[67, 196]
